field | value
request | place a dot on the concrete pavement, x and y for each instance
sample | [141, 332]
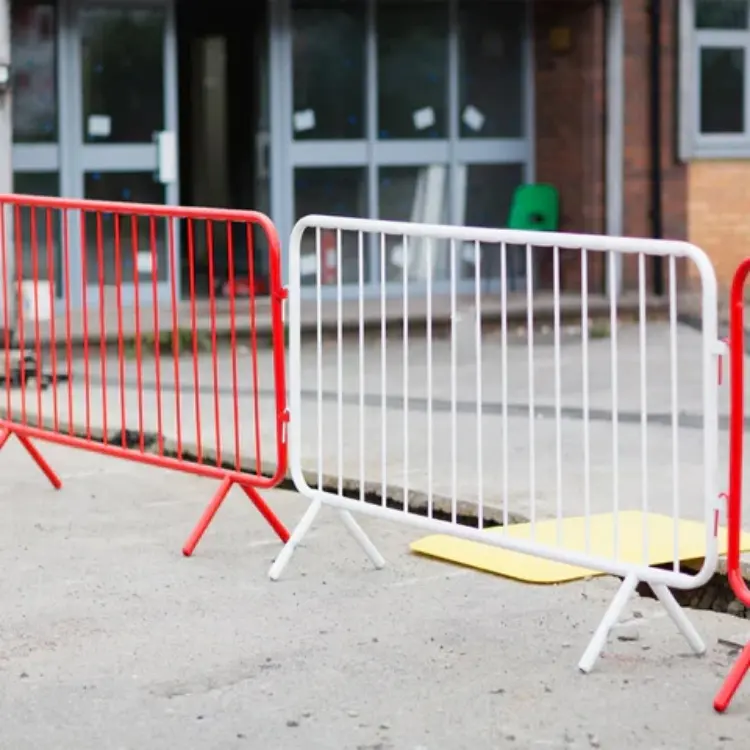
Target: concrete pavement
[376, 443]
[112, 640]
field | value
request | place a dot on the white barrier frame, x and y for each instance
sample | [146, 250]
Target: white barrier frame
[659, 580]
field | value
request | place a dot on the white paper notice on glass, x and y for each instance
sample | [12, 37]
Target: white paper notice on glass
[469, 252]
[473, 118]
[424, 118]
[308, 264]
[304, 120]
[144, 262]
[99, 126]
[397, 256]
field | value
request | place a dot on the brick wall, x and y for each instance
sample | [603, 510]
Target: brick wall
[570, 108]
[571, 125]
[719, 213]
[637, 188]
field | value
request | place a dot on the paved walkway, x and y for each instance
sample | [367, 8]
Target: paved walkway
[112, 640]
[374, 443]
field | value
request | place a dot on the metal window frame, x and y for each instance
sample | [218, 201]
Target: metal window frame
[692, 143]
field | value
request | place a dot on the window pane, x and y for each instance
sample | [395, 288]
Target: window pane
[33, 50]
[491, 68]
[412, 69]
[122, 64]
[415, 194]
[486, 203]
[722, 85]
[341, 191]
[329, 70]
[47, 226]
[134, 249]
[721, 14]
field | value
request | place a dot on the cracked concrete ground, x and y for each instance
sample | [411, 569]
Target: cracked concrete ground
[111, 639]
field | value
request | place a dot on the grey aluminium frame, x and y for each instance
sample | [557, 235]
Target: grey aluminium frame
[371, 153]
[692, 143]
[70, 158]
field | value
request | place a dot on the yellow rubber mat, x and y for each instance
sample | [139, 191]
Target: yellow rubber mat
[631, 525]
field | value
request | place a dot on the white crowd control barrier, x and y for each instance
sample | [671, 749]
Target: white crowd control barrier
[456, 427]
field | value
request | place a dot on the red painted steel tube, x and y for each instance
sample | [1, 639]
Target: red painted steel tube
[130, 387]
[736, 449]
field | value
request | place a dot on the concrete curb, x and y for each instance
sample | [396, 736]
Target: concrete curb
[418, 501]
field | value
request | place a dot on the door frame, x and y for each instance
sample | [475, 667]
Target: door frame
[77, 158]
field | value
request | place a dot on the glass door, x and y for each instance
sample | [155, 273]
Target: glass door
[389, 111]
[125, 143]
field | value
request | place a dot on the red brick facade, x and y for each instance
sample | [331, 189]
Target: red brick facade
[571, 121]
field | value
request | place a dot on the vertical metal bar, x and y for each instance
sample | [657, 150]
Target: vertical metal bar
[134, 246]
[530, 365]
[173, 276]
[361, 257]
[339, 366]
[194, 335]
[614, 377]
[52, 279]
[558, 392]
[644, 398]
[479, 384]
[319, 349]
[383, 379]
[214, 339]
[673, 369]
[454, 387]
[157, 330]
[504, 373]
[229, 228]
[585, 394]
[430, 420]
[405, 365]
[102, 324]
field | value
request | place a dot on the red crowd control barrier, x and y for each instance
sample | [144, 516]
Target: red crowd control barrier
[113, 320]
[736, 449]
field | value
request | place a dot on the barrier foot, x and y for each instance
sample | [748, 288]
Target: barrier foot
[215, 504]
[679, 618]
[303, 527]
[262, 507]
[611, 616]
[362, 540]
[39, 460]
[733, 681]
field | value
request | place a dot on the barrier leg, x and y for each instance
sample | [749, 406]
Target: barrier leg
[611, 616]
[362, 539]
[39, 460]
[303, 527]
[733, 681]
[680, 619]
[214, 506]
[271, 518]
[300, 530]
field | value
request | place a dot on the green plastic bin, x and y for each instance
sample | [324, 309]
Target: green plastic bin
[535, 207]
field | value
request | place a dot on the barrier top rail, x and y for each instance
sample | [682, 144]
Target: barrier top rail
[143, 209]
[561, 240]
